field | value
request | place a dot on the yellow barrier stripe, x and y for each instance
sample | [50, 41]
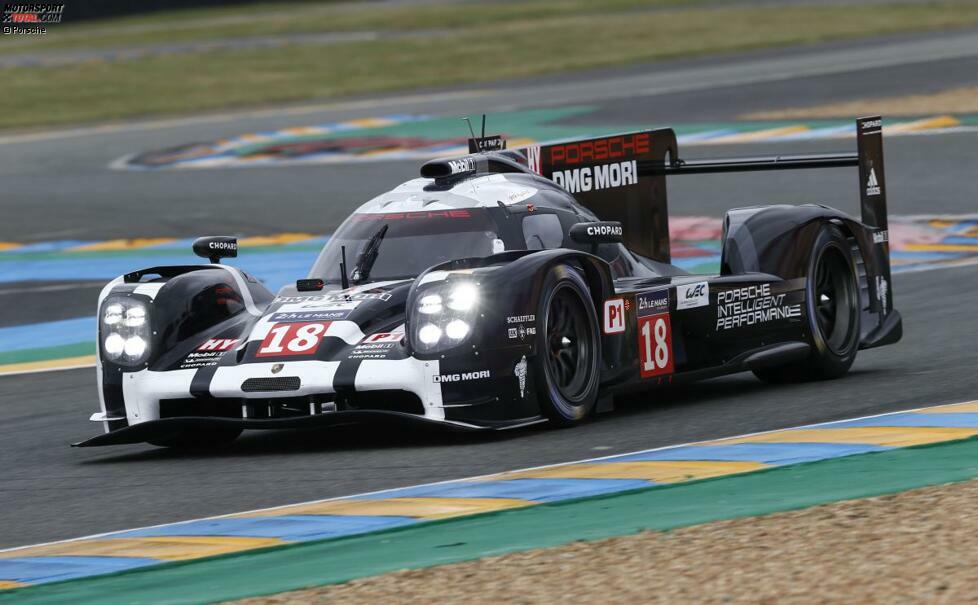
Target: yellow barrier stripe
[274, 240]
[9, 245]
[760, 134]
[660, 471]
[425, 508]
[370, 122]
[925, 124]
[8, 584]
[168, 548]
[49, 364]
[123, 244]
[304, 130]
[253, 138]
[877, 435]
[941, 247]
[958, 408]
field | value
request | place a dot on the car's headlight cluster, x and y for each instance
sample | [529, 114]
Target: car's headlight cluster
[125, 331]
[443, 315]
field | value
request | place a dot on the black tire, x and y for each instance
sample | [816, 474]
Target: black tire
[198, 440]
[832, 295]
[566, 367]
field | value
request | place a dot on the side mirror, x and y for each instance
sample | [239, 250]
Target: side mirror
[216, 247]
[604, 232]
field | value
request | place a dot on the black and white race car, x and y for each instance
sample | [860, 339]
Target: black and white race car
[503, 288]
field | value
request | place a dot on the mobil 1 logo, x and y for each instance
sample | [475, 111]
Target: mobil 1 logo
[654, 334]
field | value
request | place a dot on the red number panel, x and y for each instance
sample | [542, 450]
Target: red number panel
[655, 345]
[292, 339]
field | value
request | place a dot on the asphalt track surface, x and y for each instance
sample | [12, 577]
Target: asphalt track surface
[59, 188]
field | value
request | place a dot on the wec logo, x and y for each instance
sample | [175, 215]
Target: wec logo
[693, 295]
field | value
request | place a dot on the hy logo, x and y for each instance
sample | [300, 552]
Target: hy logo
[872, 185]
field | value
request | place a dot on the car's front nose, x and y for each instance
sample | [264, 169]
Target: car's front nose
[346, 384]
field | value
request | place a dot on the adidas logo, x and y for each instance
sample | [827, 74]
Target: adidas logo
[872, 185]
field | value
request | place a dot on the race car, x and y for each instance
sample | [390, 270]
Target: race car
[502, 288]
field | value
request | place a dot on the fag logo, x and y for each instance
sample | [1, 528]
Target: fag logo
[872, 185]
[614, 316]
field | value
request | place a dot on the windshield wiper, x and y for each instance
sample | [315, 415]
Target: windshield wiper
[361, 271]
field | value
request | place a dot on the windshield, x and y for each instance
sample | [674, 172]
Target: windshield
[400, 245]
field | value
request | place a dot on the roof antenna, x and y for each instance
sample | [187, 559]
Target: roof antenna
[469, 122]
[344, 280]
[483, 126]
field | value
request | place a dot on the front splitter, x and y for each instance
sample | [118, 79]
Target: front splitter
[165, 428]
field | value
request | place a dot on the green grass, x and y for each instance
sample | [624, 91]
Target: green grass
[284, 18]
[485, 51]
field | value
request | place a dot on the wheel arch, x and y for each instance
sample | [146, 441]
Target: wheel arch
[595, 271]
[777, 240]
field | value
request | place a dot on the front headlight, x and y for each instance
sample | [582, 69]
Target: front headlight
[443, 315]
[125, 331]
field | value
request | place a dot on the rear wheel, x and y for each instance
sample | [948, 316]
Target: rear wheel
[832, 296]
[198, 440]
[568, 348]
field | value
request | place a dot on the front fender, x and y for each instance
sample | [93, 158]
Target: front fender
[514, 281]
[187, 304]
[504, 339]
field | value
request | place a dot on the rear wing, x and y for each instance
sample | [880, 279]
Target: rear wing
[623, 178]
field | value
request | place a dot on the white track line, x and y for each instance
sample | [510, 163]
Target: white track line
[489, 476]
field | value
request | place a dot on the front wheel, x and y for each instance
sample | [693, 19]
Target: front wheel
[568, 348]
[832, 296]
